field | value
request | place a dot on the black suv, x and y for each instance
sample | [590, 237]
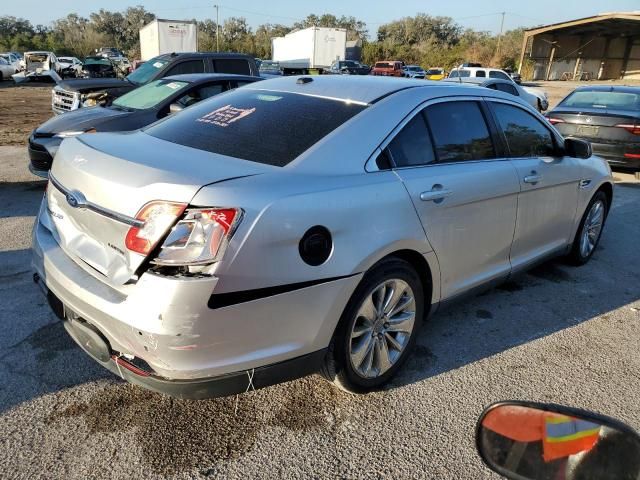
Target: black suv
[72, 94]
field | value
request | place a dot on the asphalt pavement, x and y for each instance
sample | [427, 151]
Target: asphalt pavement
[556, 334]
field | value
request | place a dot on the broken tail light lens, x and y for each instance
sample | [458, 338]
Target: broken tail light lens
[158, 217]
[634, 129]
[200, 237]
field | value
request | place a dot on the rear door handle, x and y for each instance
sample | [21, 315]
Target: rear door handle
[436, 195]
[533, 178]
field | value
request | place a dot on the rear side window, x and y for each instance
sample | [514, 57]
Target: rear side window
[526, 135]
[412, 146]
[496, 74]
[481, 73]
[506, 88]
[231, 65]
[190, 66]
[459, 131]
[258, 125]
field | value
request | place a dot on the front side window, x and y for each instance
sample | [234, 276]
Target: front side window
[526, 135]
[460, 132]
[412, 145]
[262, 126]
[190, 66]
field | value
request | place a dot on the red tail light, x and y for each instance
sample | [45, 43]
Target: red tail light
[553, 120]
[158, 218]
[635, 129]
[632, 155]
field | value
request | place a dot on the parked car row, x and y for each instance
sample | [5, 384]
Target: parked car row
[234, 239]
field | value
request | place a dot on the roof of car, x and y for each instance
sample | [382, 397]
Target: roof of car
[361, 88]
[206, 54]
[204, 77]
[477, 80]
[609, 88]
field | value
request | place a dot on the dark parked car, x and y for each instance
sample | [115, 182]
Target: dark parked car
[72, 94]
[606, 116]
[131, 111]
[98, 67]
[348, 67]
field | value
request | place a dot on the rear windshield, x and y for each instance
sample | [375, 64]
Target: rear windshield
[383, 65]
[434, 71]
[603, 99]
[258, 125]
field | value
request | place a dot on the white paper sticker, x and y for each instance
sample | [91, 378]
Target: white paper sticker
[173, 85]
[158, 64]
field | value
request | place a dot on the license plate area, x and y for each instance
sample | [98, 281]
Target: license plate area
[587, 130]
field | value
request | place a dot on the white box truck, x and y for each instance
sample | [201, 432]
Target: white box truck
[167, 36]
[313, 48]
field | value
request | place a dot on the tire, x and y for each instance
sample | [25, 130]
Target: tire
[585, 244]
[383, 335]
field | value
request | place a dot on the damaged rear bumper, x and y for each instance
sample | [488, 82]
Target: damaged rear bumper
[160, 332]
[94, 344]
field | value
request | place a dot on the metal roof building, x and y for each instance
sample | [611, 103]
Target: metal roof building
[602, 47]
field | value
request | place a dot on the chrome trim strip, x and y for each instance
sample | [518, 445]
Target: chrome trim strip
[105, 212]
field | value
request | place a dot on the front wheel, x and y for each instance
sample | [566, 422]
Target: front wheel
[590, 230]
[377, 329]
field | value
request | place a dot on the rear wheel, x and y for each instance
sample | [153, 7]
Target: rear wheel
[590, 230]
[378, 328]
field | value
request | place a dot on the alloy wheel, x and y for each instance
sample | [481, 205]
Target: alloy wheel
[592, 228]
[382, 328]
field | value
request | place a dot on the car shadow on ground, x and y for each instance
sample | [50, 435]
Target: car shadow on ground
[21, 199]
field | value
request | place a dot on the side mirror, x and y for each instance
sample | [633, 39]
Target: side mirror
[574, 147]
[175, 108]
[529, 441]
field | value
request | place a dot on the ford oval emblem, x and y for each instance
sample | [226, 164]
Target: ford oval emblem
[75, 199]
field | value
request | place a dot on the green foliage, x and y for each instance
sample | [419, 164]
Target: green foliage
[423, 39]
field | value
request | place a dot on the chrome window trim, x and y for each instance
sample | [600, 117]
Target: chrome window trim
[371, 166]
[105, 212]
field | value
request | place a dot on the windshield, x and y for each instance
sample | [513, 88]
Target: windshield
[603, 99]
[414, 69]
[146, 71]
[434, 71]
[149, 95]
[460, 74]
[96, 61]
[256, 125]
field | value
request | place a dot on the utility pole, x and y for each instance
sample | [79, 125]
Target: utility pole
[500, 37]
[217, 28]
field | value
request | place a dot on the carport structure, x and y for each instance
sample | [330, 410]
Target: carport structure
[602, 47]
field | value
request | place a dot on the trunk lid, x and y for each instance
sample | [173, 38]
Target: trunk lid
[99, 182]
[598, 126]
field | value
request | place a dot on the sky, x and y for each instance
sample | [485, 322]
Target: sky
[479, 15]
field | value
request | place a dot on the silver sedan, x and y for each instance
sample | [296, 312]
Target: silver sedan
[303, 224]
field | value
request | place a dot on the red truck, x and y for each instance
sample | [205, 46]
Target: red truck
[388, 68]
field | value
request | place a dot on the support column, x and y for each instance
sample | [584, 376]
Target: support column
[553, 54]
[627, 53]
[525, 40]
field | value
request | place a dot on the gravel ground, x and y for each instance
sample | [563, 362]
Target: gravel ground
[567, 335]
